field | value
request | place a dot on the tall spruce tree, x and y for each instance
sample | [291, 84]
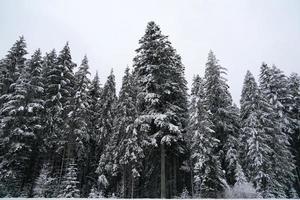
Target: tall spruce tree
[255, 139]
[231, 146]
[16, 139]
[192, 110]
[123, 124]
[161, 101]
[108, 100]
[35, 114]
[93, 128]
[94, 93]
[52, 78]
[294, 115]
[59, 93]
[53, 122]
[208, 178]
[128, 152]
[224, 116]
[68, 84]
[79, 124]
[272, 84]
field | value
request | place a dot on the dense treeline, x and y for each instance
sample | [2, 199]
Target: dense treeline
[64, 135]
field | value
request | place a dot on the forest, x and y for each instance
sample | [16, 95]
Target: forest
[65, 135]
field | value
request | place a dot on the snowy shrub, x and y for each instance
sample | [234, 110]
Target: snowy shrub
[244, 190]
[95, 193]
[185, 194]
[102, 180]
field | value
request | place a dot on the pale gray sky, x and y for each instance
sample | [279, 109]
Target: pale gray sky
[242, 33]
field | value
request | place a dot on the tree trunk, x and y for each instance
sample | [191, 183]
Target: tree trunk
[124, 182]
[162, 172]
[192, 177]
[175, 176]
[132, 186]
[62, 166]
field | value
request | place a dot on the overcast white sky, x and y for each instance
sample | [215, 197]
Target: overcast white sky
[242, 33]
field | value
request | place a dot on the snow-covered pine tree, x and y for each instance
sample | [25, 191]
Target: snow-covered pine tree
[208, 176]
[81, 106]
[68, 84]
[248, 109]
[126, 110]
[16, 139]
[217, 96]
[273, 87]
[128, 152]
[35, 85]
[108, 102]
[69, 184]
[94, 93]
[59, 93]
[52, 78]
[78, 124]
[93, 129]
[161, 92]
[35, 114]
[294, 115]
[12, 64]
[131, 160]
[231, 146]
[192, 110]
[218, 102]
[194, 98]
[27, 100]
[254, 116]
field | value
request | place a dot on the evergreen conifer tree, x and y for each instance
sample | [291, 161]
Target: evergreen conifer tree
[16, 138]
[294, 115]
[256, 146]
[224, 116]
[161, 101]
[78, 124]
[209, 178]
[35, 113]
[106, 167]
[272, 84]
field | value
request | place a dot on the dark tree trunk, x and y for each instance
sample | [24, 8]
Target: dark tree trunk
[163, 172]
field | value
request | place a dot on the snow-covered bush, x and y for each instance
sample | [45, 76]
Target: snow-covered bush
[95, 193]
[185, 194]
[244, 190]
